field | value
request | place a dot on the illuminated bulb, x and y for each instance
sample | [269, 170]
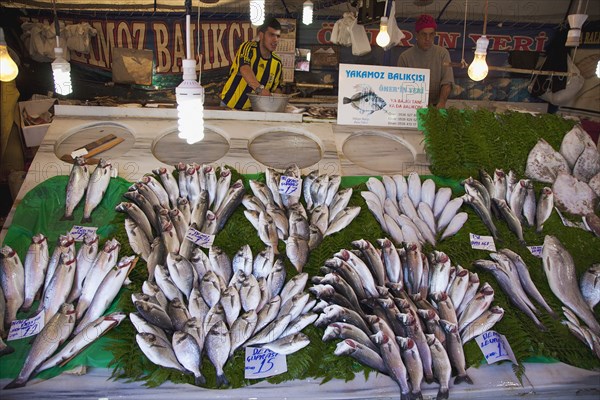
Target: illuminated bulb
[479, 68]
[307, 12]
[257, 12]
[190, 105]
[8, 67]
[383, 37]
[61, 70]
[598, 69]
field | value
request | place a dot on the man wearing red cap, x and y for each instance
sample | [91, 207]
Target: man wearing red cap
[430, 56]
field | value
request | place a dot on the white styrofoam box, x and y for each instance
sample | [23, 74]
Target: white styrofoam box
[34, 134]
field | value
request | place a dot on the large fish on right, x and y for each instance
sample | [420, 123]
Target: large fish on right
[562, 278]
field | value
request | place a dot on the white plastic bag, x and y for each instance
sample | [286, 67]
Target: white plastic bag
[360, 40]
[574, 85]
[395, 33]
[341, 30]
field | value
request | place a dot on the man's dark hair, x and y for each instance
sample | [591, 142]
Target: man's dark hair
[270, 22]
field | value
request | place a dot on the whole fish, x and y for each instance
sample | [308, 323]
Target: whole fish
[192, 183]
[34, 267]
[482, 324]
[392, 359]
[183, 189]
[511, 182]
[428, 193]
[154, 314]
[318, 189]
[526, 281]
[391, 228]
[243, 260]
[297, 251]
[76, 187]
[82, 340]
[210, 288]
[263, 263]
[454, 349]
[250, 293]
[242, 329]
[440, 272]
[413, 330]
[230, 300]
[85, 259]
[169, 183]
[441, 365]
[483, 212]
[365, 277]
[66, 244]
[342, 220]
[276, 278]
[529, 205]
[470, 293]
[157, 189]
[188, 353]
[262, 192]
[457, 290]
[218, 346]
[426, 214]
[488, 182]
[137, 239]
[373, 258]
[517, 198]
[12, 279]
[332, 188]
[335, 313]
[476, 189]
[232, 200]
[199, 210]
[589, 285]
[448, 212]
[138, 216]
[293, 287]
[166, 284]
[375, 206]
[288, 344]
[361, 353]
[499, 185]
[267, 230]
[59, 287]
[513, 222]
[181, 272]
[253, 203]
[391, 260]
[442, 197]
[414, 188]
[97, 186]
[414, 366]
[272, 178]
[210, 176]
[158, 351]
[562, 278]
[342, 288]
[268, 313]
[54, 333]
[544, 208]
[432, 324]
[141, 325]
[157, 256]
[401, 186]
[477, 306]
[456, 223]
[106, 293]
[301, 322]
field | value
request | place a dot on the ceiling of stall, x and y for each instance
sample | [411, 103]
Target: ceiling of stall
[539, 11]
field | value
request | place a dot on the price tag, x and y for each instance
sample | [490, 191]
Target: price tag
[79, 152]
[23, 328]
[536, 250]
[199, 238]
[495, 347]
[290, 186]
[262, 363]
[79, 232]
[482, 242]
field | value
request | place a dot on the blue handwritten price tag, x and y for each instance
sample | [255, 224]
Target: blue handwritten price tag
[290, 186]
[482, 242]
[536, 250]
[23, 328]
[199, 238]
[262, 363]
[495, 347]
[79, 232]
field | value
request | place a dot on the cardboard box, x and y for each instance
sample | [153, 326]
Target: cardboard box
[34, 134]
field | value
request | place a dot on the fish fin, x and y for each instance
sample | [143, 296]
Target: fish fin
[86, 219]
[6, 350]
[416, 395]
[15, 384]
[222, 380]
[442, 394]
[199, 380]
[429, 378]
[346, 100]
[463, 378]
[405, 396]
[66, 217]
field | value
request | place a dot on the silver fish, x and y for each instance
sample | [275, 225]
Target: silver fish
[76, 187]
[138, 216]
[483, 212]
[158, 351]
[158, 189]
[263, 263]
[512, 220]
[166, 284]
[34, 267]
[243, 260]
[413, 363]
[339, 202]
[54, 333]
[169, 238]
[320, 217]
[442, 197]
[169, 184]
[288, 344]
[477, 189]
[250, 294]
[499, 185]
[343, 330]
[297, 251]
[373, 258]
[544, 208]
[182, 273]
[448, 213]
[342, 220]
[271, 331]
[183, 189]
[242, 329]
[210, 176]
[391, 261]
[589, 285]
[141, 325]
[529, 206]
[390, 187]
[300, 323]
[253, 203]
[199, 210]
[222, 187]
[106, 293]
[517, 198]
[59, 287]
[414, 188]
[298, 225]
[154, 314]
[562, 278]
[441, 365]
[332, 188]
[392, 359]
[210, 288]
[470, 293]
[374, 205]
[477, 306]
[196, 304]
[252, 217]
[12, 279]
[97, 186]
[276, 278]
[511, 181]
[365, 277]
[440, 272]
[482, 324]
[157, 256]
[415, 332]
[456, 223]
[361, 353]
[454, 347]
[318, 189]
[146, 206]
[267, 230]
[262, 192]
[188, 353]
[218, 347]
[66, 244]
[230, 300]
[82, 340]
[232, 200]
[137, 239]
[457, 290]
[192, 183]
[426, 214]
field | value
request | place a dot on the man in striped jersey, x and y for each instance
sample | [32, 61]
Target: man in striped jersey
[255, 69]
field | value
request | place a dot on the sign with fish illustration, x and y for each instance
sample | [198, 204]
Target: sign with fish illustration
[495, 347]
[381, 96]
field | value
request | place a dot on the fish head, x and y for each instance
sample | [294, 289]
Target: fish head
[7, 252]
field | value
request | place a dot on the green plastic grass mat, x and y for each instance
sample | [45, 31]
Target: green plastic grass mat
[118, 349]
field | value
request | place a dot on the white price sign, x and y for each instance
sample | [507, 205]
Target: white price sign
[79, 232]
[536, 250]
[23, 328]
[262, 363]
[495, 347]
[290, 186]
[199, 238]
[482, 242]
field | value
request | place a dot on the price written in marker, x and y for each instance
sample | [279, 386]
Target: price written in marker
[482, 242]
[495, 347]
[199, 238]
[79, 232]
[290, 186]
[536, 250]
[262, 363]
[23, 328]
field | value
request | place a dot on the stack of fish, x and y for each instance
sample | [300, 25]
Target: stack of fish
[277, 216]
[93, 187]
[214, 304]
[510, 199]
[403, 314]
[89, 277]
[578, 299]
[159, 216]
[512, 275]
[411, 211]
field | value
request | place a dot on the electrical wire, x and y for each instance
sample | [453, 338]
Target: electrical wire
[463, 63]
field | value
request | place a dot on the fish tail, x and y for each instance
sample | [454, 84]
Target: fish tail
[442, 394]
[428, 378]
[199, 380]
[6, 350]
[416, 395]
[463, 378]
[347, 100]
[17, 383]
[86, 219]
[222, 380]
[66, 217]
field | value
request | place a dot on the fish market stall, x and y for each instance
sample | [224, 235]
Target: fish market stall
[355, 208]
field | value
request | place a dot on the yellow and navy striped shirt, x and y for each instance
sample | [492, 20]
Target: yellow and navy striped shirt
[267, 71]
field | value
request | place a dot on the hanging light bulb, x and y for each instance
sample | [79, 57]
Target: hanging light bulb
[598, 69]
[61, 69]
[8, 67]
[479, 68]
[383, 37]
[307, 12]
[257, 12]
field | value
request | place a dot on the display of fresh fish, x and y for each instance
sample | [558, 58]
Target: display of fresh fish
[441, 365]
[481, 324]
[218, 346]
[34, 266]
[97, 186]
[562, 278]
[589, 285]
[361, 353]
[76, 187]
[342, 220]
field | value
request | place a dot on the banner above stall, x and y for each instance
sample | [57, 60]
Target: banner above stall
[381, 96]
